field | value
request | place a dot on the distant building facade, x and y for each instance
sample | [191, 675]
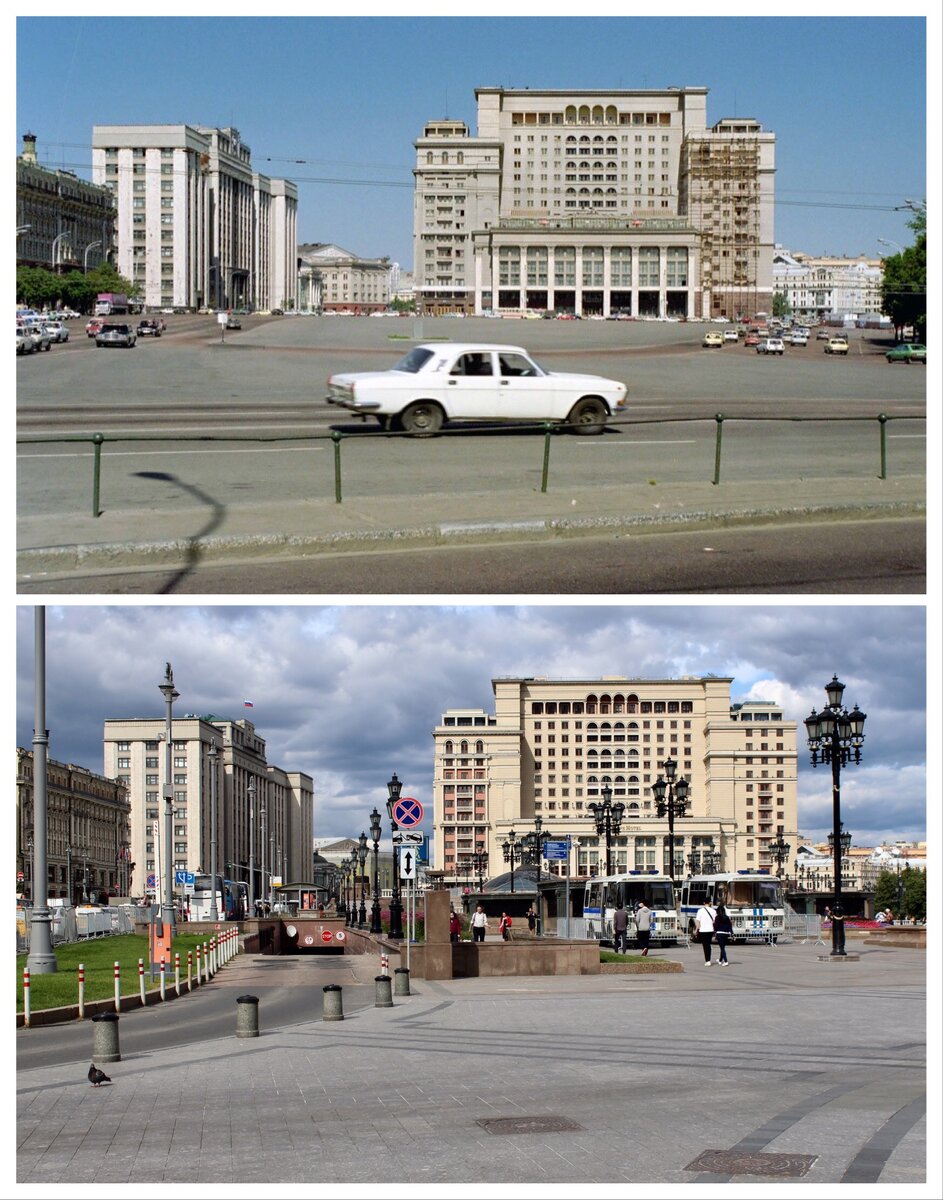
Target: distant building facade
[88, 833]
[197, 226]
[594, 202]
[551, 747]
[822, 288]
[63, 223]
[332, 279]
[280, 839]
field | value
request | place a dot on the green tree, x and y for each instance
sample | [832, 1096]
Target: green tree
[904, 290]
[915, 893]
[781, 305]
[885, 892]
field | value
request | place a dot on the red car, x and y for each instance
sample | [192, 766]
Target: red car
[94, 326]
[752, 339]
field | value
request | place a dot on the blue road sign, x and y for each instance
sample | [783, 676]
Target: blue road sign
[555, 850]
[407, 811]
[182, 877]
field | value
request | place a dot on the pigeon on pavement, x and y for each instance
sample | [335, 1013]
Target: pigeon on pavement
[97, 1077]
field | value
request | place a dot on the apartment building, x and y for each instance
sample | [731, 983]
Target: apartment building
[88, 833]
[822, 287]
[273, 823]
[332, 279]
[63, 223]
[197, 226]
[596, 203]
[551, 747]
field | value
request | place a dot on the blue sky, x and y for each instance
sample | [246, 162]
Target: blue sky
[335, 103]
[352, 693]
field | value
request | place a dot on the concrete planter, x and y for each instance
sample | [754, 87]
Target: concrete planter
[646, 968]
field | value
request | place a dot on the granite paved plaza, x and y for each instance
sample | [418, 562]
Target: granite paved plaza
[798, 1072]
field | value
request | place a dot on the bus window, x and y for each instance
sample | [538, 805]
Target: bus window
[697, 892]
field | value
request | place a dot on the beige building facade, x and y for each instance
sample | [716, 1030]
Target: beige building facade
[551, 747]
[282, 837]
[331, 279]
[596, 203]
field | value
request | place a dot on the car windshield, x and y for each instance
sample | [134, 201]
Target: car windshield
[415, 360]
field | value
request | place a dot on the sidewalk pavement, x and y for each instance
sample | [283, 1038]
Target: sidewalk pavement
[778, 1063]
[129, 536]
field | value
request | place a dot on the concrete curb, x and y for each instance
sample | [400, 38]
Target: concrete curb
[647, 968]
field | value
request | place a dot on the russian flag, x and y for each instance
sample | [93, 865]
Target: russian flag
[247, 704]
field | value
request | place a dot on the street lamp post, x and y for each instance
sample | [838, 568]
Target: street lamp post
[845, 839]
[535, 843]
[480, 858]
[41, 958]
[608, 818]
[375, 828]
[362, 859]
[170, 694]
[394, 787]
[90, 246]
[779, 850]
[214, 758]
[513, 851]
[671, 798]
[835, 737]
[55, 246]
[250, 792]
[262, 840]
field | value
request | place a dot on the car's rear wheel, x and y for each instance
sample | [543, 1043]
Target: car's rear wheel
[422, 419]
[588, 416]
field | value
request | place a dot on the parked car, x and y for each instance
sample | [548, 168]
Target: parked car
[233, 323]
[836, 345]
[93, 326]
[116, 334]
[150, 328]
[58, 331]
[41, 338]
[24, 343]
[465, 381]
[712, 340]
[907, 352]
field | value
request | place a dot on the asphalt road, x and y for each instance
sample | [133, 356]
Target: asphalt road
[875, 556]
[294, 996]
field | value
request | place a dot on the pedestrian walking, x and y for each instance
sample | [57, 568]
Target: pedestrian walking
[704, 928]
[479, 924]
[723, 932]
[532, 919]
[504, 927]
[620, 925]
[643, 926]
[455, 926]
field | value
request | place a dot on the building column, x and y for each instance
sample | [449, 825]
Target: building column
[478, 281]
[551, 270]
[578, 283]
[662, 281]
[635, 250]
[606, 279]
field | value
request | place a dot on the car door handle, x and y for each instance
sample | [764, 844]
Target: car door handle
[504, 383]
[453, 382]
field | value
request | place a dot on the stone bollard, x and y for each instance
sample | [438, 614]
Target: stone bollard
[401, 980]
[384, 993]
[333, 1003]
[106, 1038]
[247, 1016]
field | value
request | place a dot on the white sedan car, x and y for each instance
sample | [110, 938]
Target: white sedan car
[434, 384]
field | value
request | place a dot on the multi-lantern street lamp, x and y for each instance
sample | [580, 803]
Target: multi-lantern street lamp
[534, 847]
[375, 830]
[394, 788]
[671, 799]
[513, 852]
[778, 850]
[479, 861]
[362, 860]
[836, 737]
[608, 818]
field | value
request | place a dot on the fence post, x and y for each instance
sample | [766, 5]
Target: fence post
[141, 981]
[882, 422]
[336, 437]
[548, 431]
[81, 991]
[26, 1012]
[117, 987]
[97, 439]
[719, 418]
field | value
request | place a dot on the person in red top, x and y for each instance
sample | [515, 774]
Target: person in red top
[455, 926]
[504, 927]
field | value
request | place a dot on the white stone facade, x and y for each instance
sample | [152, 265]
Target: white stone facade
[332, 279]
[822, 287]
[197, 227]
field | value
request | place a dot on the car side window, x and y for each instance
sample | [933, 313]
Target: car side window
[472, 364]
[515, 364]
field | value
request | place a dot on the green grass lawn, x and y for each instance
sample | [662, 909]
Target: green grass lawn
[99, 956]
[610, 956]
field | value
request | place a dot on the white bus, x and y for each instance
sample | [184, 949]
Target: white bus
[605, 893]
[753, 900]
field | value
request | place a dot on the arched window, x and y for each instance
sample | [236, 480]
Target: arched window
[460, 157]
[445, 156]
[464, 748]
[429, 158]
[448, 747]
[479, 747]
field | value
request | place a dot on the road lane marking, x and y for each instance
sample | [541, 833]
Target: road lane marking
[625, 442]
[159, 453]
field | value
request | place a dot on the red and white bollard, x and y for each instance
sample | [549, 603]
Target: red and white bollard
[81, 990]
[384, 964]
[177, 971]
[141, 980]
[26, 996]
[197, 977]
[206, 963]
[214, 966]
[163, 978]
[189, 970]
[117, 987]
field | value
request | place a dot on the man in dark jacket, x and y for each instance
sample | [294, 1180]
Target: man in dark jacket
[620, 923]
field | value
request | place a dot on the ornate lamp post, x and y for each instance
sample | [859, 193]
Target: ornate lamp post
[213, 758]
[835, 737]
[779, 850]
[535, 852]
[362, 860]
[608, 818]
[710, 858]
[170, 694]
[671, 798]
[375, 827]
[250, 792]
[513, 852]
[394, 787]
[845, 839]
[480, 860]
[694, 863]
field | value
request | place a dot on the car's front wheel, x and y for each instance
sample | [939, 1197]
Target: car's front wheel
[588, 416]
[422, 419]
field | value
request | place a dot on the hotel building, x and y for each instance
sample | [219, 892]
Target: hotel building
[597, 203]
[197, 226]
[551, 746]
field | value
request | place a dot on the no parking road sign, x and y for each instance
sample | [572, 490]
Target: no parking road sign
[407, 811]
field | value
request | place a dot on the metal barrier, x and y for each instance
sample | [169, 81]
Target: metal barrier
[98, 440]
[69, 924]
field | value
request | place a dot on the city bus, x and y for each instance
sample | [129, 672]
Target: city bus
[604, 894]
[232, 899]
[753, 899]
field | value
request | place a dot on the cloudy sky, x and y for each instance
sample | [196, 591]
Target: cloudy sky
[352, 693]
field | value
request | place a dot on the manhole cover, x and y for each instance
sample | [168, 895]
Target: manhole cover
[528, 1124]
[734, 1162]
